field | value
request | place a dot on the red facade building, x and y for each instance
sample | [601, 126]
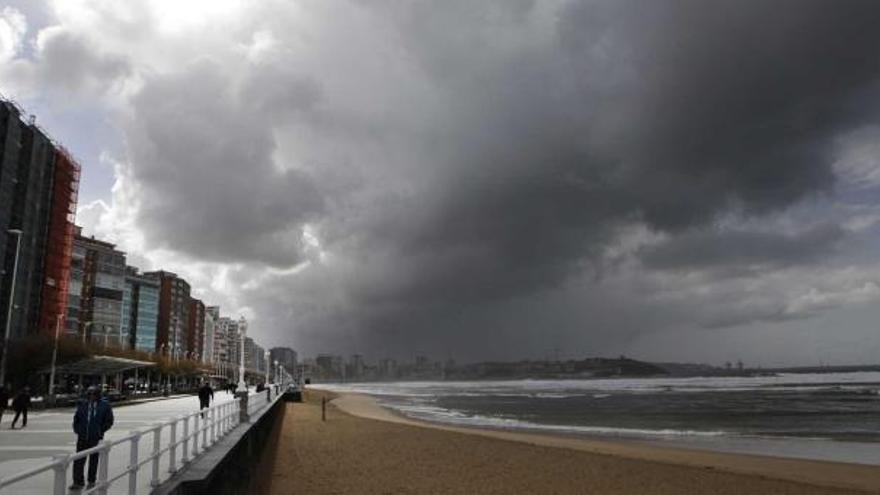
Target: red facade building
[59, 241]
[195, 332]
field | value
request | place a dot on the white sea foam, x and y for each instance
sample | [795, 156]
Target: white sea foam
[589, 387]
[446, 416]
[797, 415]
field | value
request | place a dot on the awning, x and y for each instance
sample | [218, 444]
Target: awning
[100, 365]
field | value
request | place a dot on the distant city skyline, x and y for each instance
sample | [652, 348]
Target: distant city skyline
[485, 180]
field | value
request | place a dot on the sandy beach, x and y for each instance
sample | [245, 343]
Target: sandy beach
[364, 449]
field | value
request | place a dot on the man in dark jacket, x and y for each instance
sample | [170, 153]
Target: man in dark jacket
[92, 419]
[20, 404]
[4, 401]
[206, 395]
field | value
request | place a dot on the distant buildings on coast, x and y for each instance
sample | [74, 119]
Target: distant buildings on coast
[328, 367]
[58, 278]
[357, 368]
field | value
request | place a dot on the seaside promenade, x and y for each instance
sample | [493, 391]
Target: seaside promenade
[362, 448]
[49, 433]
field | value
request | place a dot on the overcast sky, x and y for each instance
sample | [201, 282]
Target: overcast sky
[671, 180]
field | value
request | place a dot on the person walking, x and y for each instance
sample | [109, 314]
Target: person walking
[4, 401]
[20, 404]
[92, 419]
[206, 395]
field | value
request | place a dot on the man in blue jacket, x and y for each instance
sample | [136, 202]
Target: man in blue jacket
[92, 419]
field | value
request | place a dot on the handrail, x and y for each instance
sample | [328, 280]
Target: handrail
[216, 422]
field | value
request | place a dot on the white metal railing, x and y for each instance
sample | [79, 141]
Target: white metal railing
[256, 401]
[197, 431]
[218, 420]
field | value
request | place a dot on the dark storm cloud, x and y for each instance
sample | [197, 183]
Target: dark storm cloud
[203, 155]
[743, 249]
[74, 62]
[509, 148]
[71, 62]
[669, 113]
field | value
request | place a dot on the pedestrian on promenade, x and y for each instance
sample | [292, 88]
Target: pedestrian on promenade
[206, 395]
[93, 417]
[20, 404]
[4, 401]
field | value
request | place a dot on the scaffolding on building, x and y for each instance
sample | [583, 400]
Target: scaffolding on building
[59, 245]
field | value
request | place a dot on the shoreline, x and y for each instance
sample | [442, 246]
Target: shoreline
[826, 474]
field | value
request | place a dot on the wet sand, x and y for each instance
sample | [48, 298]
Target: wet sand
[364, 449]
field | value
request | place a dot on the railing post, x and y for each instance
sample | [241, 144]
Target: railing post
[133, 464]
[209, 423]
[184, 455]
[214, 424]
[223, 420]
[218, 423]
[195, 450]
[243, 413]
[103, 466]
[172, 452]
[60, 469]
[157, 444]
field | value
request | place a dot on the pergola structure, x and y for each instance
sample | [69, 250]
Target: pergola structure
[101, 365]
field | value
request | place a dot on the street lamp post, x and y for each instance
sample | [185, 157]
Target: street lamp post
[17, 233]
[86, 325]
[54, 359]
[275, 372]
[241, 383]
[175, 348]
[266, 359]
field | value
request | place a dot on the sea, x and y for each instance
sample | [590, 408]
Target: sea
[822, 416]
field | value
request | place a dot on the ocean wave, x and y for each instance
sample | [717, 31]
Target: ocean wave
[586, 387]
[452, 417]
[527, 395]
